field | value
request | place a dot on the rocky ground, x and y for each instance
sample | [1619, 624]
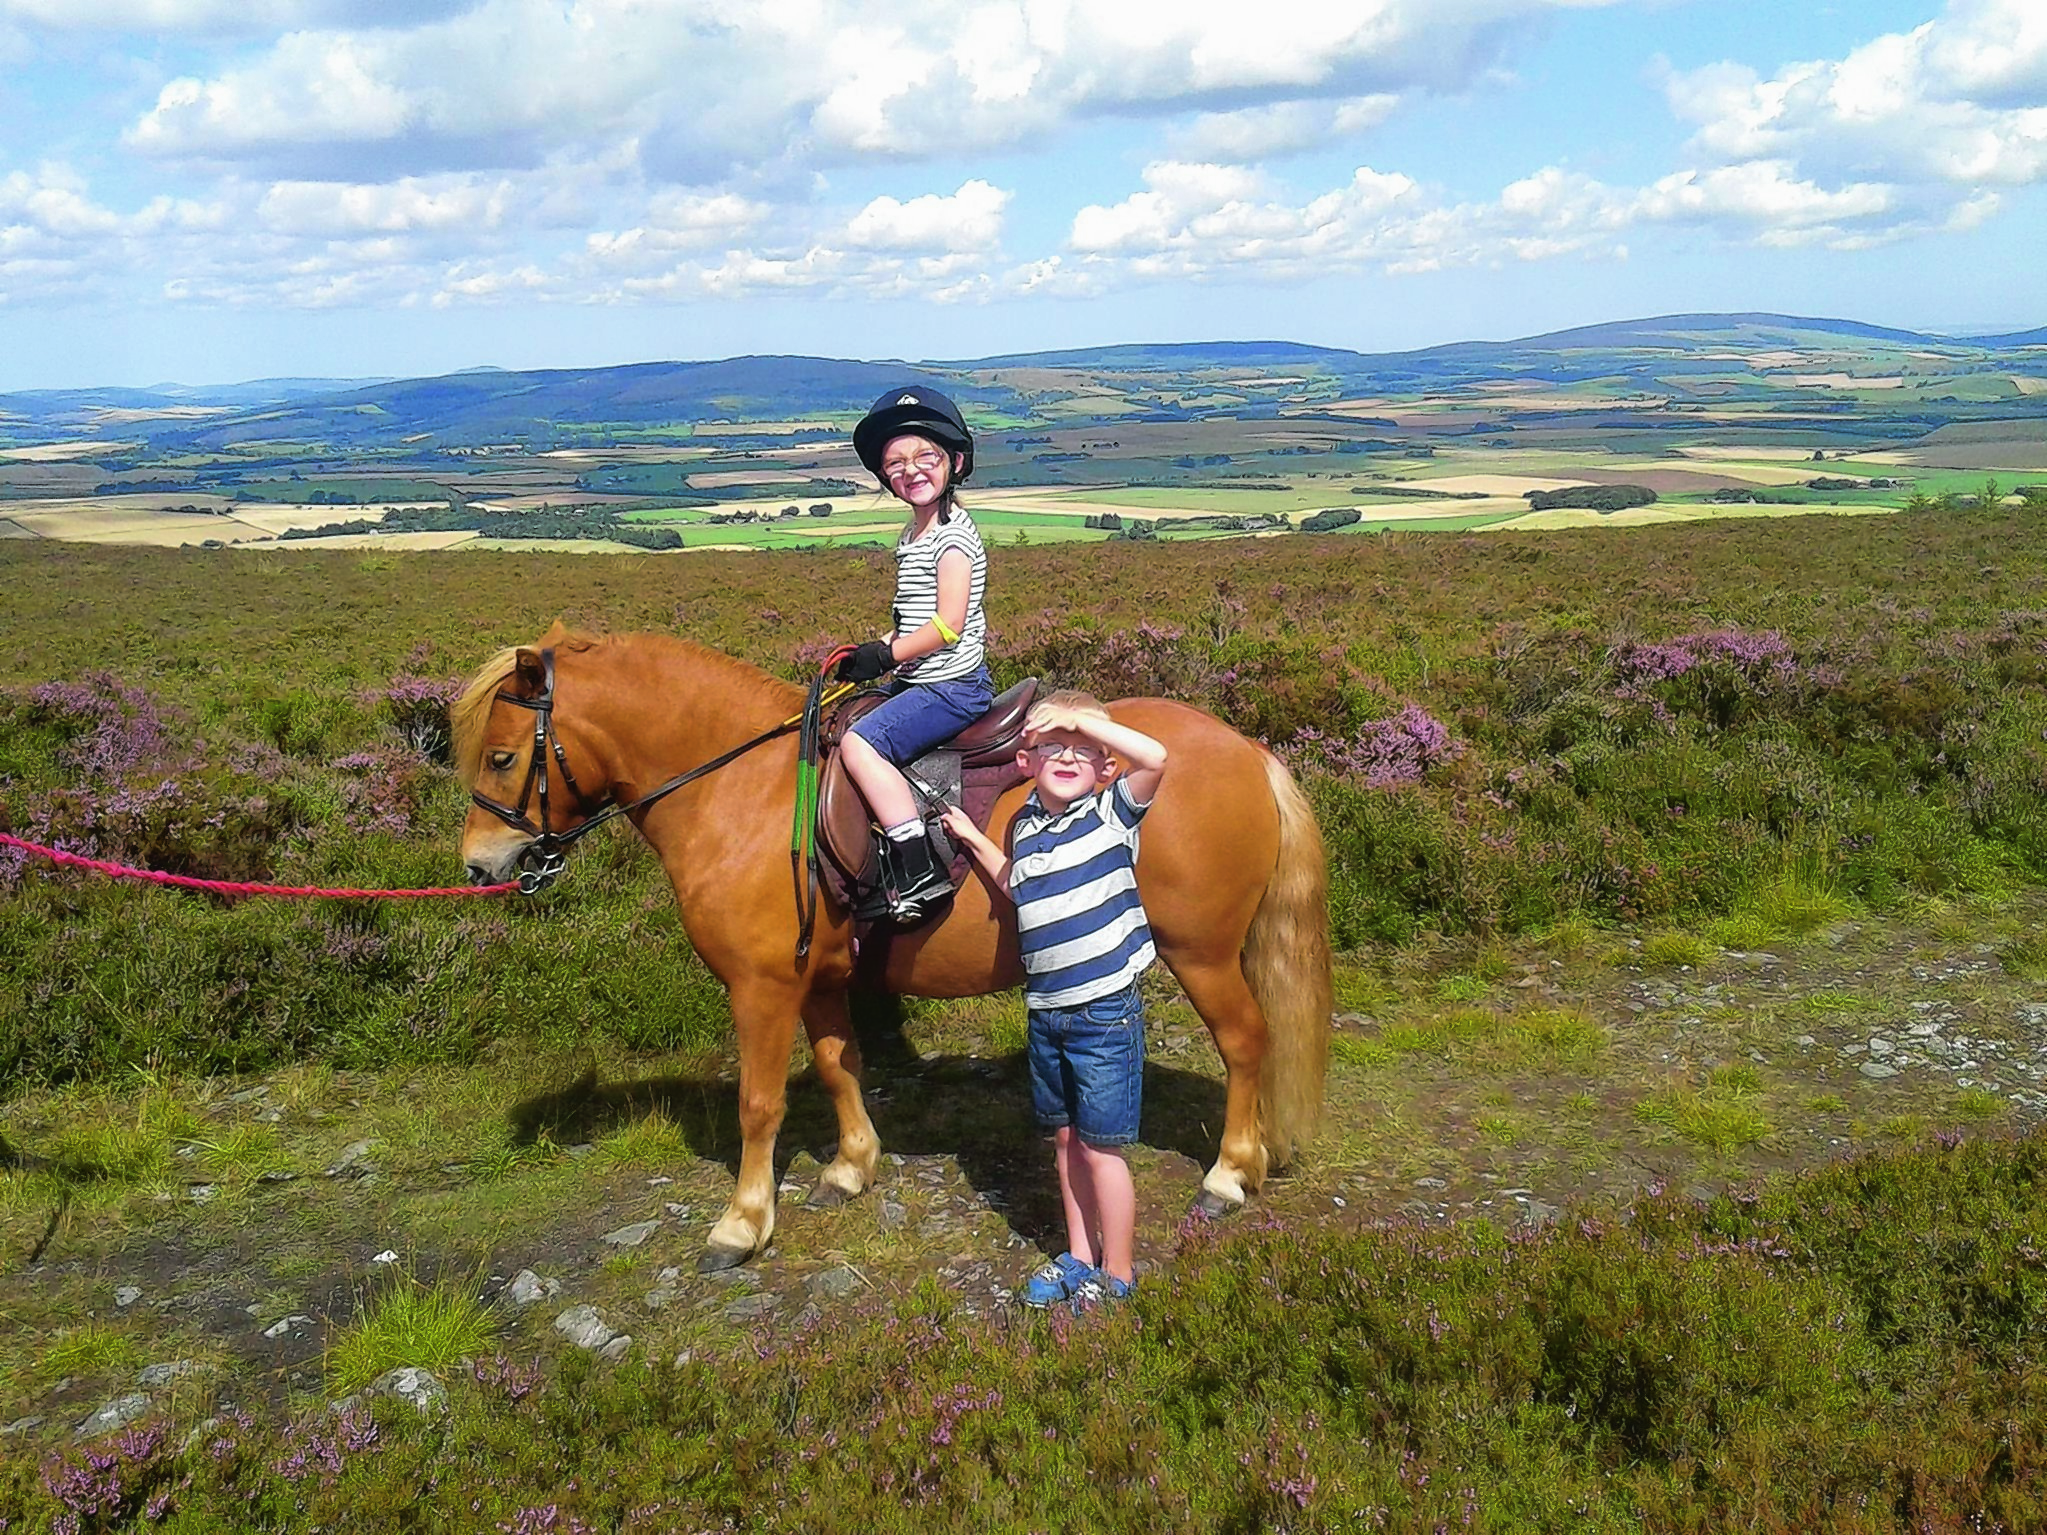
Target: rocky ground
[186, 1245]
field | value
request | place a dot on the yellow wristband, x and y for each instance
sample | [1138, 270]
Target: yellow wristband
[945, 632]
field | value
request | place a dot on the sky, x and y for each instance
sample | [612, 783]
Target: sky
[207, 191]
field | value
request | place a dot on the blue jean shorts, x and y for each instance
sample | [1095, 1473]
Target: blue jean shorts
[1087, 1067]
[920, 715]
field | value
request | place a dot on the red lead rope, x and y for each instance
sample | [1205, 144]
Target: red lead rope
[239, 887]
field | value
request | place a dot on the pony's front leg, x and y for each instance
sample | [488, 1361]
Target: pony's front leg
[829, 1023]
[765, 1020]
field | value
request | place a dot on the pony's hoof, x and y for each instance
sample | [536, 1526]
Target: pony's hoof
[825, 1196]
[1213, 1205]
[715, 1260]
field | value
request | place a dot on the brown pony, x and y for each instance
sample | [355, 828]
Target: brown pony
[1231, 872]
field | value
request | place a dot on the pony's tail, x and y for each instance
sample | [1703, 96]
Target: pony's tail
[1286, 962]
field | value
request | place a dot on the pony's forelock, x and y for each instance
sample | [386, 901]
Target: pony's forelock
[468, 714]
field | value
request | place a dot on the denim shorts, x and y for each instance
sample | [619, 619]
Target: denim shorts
[1087, 1067]
[920, 715]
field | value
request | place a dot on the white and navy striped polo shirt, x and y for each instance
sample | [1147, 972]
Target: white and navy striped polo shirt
[917, 598]
[1074, 878]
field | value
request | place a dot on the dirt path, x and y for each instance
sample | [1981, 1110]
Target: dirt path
[209, 1240]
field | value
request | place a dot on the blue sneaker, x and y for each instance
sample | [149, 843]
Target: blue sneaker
[1055, 1281]
[1100, 1290]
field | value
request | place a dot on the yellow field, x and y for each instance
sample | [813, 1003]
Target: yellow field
[1755, 474]
[130, 524]
[277, 519]
[60, 452]
[758, 428]
[1846, 381]
[722, 477]
[1641, 516]
[1487, 484]
[627, 453]
[814, 528]
[392, 541]
[1765, 454]
[2027, 385]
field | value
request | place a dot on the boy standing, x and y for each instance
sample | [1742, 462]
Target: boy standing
[1072, 872]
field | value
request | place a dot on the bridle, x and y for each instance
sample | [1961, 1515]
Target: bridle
[543, 860]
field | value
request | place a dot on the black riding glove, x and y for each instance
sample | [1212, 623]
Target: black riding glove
[867, 662]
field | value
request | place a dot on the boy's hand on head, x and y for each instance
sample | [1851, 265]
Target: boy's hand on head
[1050, 721]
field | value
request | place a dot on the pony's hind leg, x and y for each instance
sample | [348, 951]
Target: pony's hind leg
[1220, 994]
[836, 1054]
[765, 1020]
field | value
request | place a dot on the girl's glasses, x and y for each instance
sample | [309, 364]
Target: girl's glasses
[1052, 751]
[927, 461]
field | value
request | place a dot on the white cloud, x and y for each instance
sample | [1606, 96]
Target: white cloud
[1193, 219]
[1961, 100]
[721, 88]
[322, 88]
[1252, 134]
[678, 221]
[412, 203]
[159, 17]
[969, 220]
[465, 286]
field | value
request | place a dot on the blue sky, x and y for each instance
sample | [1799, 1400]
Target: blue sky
[213, 190]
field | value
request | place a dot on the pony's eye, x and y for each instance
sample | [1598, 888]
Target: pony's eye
[502, 760]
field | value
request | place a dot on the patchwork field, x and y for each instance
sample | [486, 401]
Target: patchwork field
[1795, 417]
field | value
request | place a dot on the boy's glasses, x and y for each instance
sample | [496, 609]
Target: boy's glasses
[1052, 751]
[926, 461]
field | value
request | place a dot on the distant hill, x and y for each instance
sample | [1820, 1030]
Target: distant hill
[2013, 338]
[1179, 356]
[1690, 330]
[1656, 355]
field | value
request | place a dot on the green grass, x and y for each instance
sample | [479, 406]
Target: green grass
[242, 1153]
[1977, 1104]
[433, 1327]
[1833, 1002]
[1675, 949]
[1722, 1114]
[89, 1350]
[649, 1140]
[1542, 1039]
[1797, 907]
[2025, 957]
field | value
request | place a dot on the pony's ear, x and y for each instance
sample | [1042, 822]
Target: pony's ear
[531, 670]
[558, 632]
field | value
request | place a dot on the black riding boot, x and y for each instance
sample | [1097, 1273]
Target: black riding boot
[918, 885]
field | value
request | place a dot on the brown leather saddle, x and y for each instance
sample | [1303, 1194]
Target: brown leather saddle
[972, 770]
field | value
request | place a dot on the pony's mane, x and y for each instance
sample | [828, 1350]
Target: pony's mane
[468, 715]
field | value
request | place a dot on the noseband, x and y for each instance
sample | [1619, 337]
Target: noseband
[547, 855]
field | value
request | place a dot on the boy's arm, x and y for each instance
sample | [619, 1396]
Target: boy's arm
[1143, 759]
[988, 858]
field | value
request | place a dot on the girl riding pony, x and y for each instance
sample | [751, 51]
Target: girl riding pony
[916, 443]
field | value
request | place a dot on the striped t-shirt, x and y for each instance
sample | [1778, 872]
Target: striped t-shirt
[917, 598]
[1074, 878]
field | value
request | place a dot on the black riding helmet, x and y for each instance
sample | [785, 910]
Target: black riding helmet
[919, 409]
